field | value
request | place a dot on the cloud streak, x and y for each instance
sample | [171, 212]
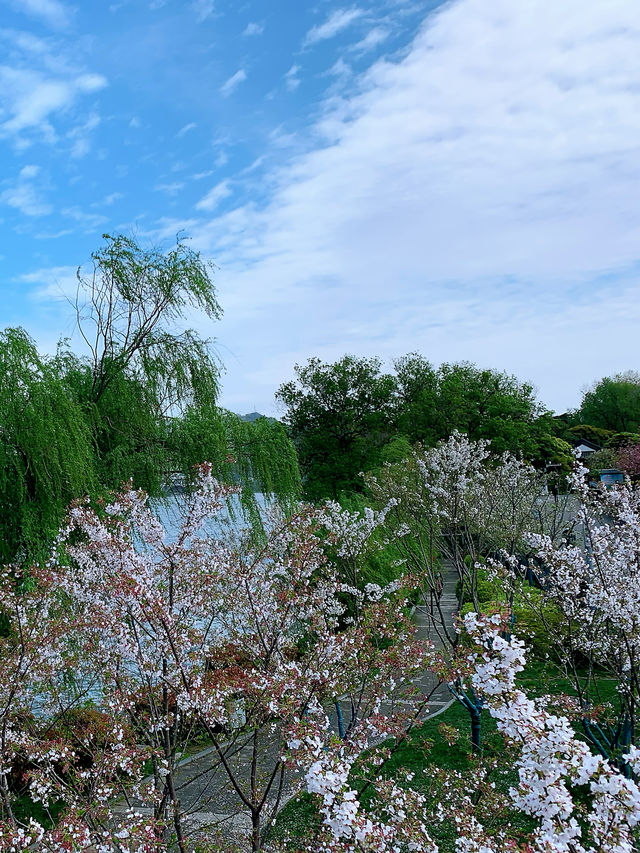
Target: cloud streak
[203, 9]
[337, 21]
[291, 79]
[52, 283]
[215, 195]
[37, 85]
[24, 195]
[374, 38]
[230, 85]
[253, 28]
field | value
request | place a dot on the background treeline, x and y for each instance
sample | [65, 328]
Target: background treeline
[141, 405]
[351, 416]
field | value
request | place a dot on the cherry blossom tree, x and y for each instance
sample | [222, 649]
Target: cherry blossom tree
[240, 639]
[255, 643]
[252, 642]
[594, 587]
[29, 657]
[87, 770]
[577, 800]
[629, 460]
[454, 505]
[457, 503]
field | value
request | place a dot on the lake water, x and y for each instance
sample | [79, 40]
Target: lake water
[228, 520]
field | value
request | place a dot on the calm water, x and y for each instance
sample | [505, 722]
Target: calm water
[227, 521]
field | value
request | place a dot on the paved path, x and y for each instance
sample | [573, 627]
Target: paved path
[208, 797]
[432, 628]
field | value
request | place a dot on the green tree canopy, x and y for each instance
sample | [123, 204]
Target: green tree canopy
[613, 403]
[623, 439]
[484, 404]
[588, 432]
[349, 416]
[340, 416]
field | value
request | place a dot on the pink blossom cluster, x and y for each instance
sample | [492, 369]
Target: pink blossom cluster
[552, 762]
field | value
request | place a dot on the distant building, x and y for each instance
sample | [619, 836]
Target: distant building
[585, 448]
[611, 476]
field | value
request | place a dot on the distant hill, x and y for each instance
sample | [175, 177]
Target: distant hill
[252, 416]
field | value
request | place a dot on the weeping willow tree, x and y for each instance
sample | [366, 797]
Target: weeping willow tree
[258, 455]
[129, 438]
[151, 388]
[46, 448]
[129, 308]
[142, 404]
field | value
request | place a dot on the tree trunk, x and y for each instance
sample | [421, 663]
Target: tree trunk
[475, 730]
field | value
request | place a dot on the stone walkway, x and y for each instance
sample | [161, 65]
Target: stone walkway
[206, 794]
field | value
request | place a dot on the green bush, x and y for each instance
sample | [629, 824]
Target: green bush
[587, 432]
[486, 590]
[535, 621]
[623, 439]
[489, 590]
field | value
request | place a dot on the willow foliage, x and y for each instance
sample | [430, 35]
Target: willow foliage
[141, 406]
[152, 395]
[129, 306]
[259, 454]
[46, 448]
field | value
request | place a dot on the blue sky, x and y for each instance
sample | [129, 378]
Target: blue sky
[457, 178]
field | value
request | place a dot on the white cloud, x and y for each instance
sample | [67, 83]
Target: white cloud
[215, 195]
[233, 82]
[337, 21]
[374, 38]
[472, 200]
[30, 98]
[89, 83]
[291, 79]
[187, 127]
[23, 195]
[339, 69]
[29, 171]
[52, 283]
[52, 12]
[53, 235]
[87, 221]
[203, 9]
[81, 135]
[253, 29]
[170, 189]
[111, 198]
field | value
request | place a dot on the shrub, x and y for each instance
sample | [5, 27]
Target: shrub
[594, 434]
[533, 619]
[623, 439]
